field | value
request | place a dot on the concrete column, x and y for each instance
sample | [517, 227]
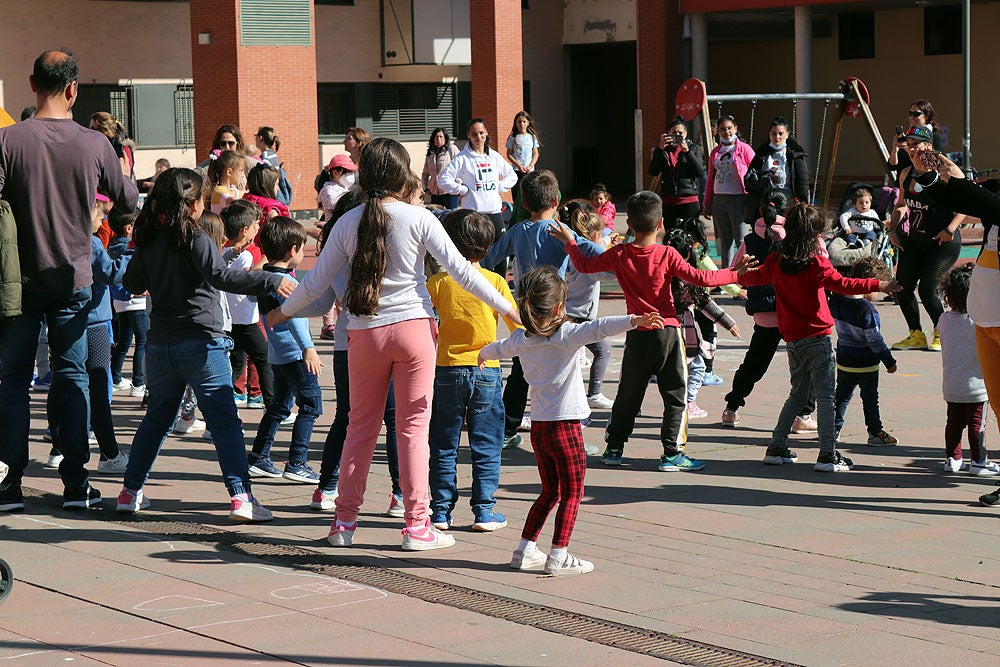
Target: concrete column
[699, 46]
[497, 72]
[228, 89]
[803, 80]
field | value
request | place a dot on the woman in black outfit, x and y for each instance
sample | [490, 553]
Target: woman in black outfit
[780, 163]
[678, 164]
[930, 247]
[921, 112]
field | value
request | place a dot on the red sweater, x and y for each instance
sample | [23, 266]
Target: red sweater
[645, 273]
[802, 308]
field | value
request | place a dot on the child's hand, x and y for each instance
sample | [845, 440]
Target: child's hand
[560, 231]
[746, 263]
[481, 361]
[275, 317]
[735, 331]
[286, 288]
[891, 369]
[313, 363]
[649, 320]
[889, 286]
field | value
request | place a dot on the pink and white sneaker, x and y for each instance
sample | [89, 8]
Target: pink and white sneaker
[341, 536]
[425, 538]
[695, 411]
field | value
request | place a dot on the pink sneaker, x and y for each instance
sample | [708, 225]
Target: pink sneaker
[341, 536]
[425, 538]
[695, 412]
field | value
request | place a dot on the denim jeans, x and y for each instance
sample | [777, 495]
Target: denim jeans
[204, 365]
[329, 472]
[868, 383]
[68, 399]
[131, 323]
[810, 360]
[293, 383]
[696, 376]
[466, 394]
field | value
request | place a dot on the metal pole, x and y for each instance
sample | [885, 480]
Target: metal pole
[775, 96]
[966, 89]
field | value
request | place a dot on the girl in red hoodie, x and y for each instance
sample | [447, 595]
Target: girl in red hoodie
[800, 275]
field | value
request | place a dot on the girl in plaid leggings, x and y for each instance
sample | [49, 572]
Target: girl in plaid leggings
[548, 347]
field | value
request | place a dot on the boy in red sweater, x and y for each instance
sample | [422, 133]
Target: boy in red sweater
[644, 270]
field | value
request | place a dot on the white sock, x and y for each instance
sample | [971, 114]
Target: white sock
[527, 546]
[558, 555]
[344, 523]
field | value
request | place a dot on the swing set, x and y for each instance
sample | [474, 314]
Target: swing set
[692, 101]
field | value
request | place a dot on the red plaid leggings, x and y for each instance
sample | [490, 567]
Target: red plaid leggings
[961, 417]
[562, 466]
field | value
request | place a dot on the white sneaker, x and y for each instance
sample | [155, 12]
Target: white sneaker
[396, 509]
[954, 465]
[121, 386]
[185, 426]
[54, 461]
[600, 402]
[525, 424]
[341, 536]
[130, 503]
[290, 419]
[251, 511]
[528, 561]
[425, 538]
[115, 465]
[569, 565]
[804, 425]
[138, 392]
[985, 469]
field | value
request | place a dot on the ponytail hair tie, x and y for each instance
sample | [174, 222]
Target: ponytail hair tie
[214, 155]
[376, 193]
[161, 219]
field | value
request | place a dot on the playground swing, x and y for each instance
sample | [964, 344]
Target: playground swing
[692, 101]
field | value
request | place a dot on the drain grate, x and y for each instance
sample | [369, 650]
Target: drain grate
[618, 635]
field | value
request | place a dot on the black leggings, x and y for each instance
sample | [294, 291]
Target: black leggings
[923, 261]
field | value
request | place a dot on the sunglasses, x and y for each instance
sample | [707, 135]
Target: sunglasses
[231, 144]
[915, 114]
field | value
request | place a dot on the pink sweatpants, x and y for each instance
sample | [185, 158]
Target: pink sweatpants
[404, 351]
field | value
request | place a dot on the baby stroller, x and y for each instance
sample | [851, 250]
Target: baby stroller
[6, 574]
[844, 252]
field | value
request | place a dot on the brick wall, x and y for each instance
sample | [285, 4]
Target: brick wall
[497, 75]
[660, 62]
[273, 85]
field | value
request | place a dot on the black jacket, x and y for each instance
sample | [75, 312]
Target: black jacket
[756, 181]
[964, 196]
[760, 298]
[688, 179]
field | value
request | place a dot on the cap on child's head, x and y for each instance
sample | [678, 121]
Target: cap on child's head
[342, 161]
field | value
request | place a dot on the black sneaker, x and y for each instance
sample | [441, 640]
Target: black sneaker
[990, 499]
[776, 456]
[11, 499]
[81, 497]
[262, 467]
[832, 462]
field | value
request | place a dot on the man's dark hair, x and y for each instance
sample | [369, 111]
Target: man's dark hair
[239, 215]
[118, 220]
[279, 236]
[539, 190]
[472, 232]
[52, 72]
[644, 211]
[28, 112]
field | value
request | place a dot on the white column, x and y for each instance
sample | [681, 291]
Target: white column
[699, 46]
[803, 80]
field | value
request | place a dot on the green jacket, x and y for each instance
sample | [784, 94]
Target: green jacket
[10, 265]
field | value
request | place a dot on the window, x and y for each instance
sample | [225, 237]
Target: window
[412, 110]
[94, 97]
[336, 108]
[184, 115]
[856, 35]
[275, 23]
[942, 30]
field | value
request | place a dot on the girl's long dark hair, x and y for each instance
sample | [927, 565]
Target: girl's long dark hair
[431, 148]
[383, 170]
[773, 204]
[167, 210]
[803, 225]
[347, 201]
[538, 294]
[486, 144]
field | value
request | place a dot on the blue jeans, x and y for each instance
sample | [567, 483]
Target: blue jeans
[810, 360]
[868, 383]
[333, 447]
[68, 399]
[204, 365]
[293, 383]
[696, 376]
[466, 394]
[131, 323]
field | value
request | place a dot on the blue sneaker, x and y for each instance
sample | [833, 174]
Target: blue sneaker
[256, 402]
[711, 379]
[612, 457]
[679, 462]
[263, 467]
[489, 522]
[42, 383]
[440, 520]
[241, 399]
[300, 472]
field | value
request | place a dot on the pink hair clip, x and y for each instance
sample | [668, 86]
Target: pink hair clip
[214, 155]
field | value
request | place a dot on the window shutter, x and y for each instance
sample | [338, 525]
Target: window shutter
[275, 23]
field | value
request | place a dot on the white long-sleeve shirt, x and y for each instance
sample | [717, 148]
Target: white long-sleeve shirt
[478, 178]
[413, 231]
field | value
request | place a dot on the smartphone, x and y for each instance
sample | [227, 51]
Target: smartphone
[899, 134]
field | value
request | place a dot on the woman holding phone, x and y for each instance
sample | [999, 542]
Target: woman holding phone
[678, 164]
[921, 112]
[930, 248]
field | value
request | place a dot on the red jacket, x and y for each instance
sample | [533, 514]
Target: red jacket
[645, 273]
[802, 308]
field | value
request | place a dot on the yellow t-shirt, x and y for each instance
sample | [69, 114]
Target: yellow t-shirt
[467, 324]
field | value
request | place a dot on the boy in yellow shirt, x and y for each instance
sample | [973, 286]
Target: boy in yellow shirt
[463, 392]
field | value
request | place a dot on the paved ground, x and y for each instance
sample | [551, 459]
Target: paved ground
[893, 563]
